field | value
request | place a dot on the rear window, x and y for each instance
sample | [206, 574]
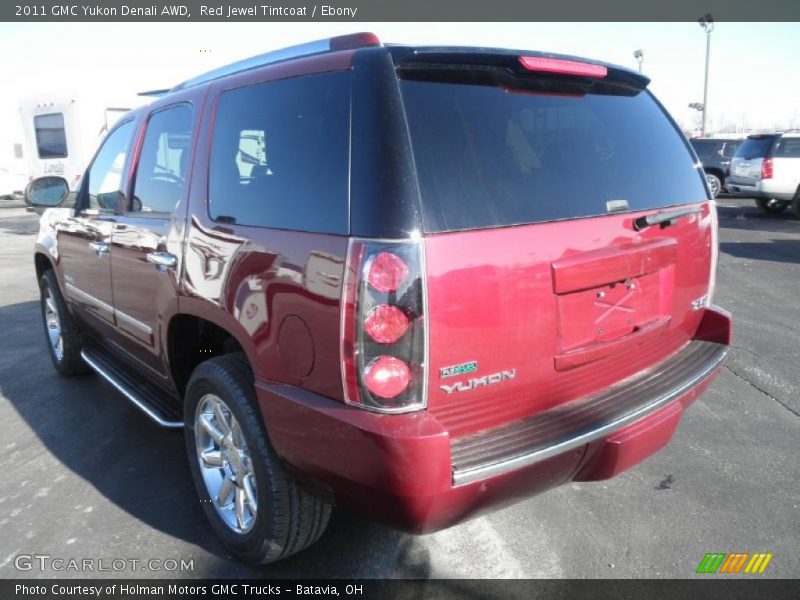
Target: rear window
[487, 157]
[280, 155]
[51, 138]
[755, 147]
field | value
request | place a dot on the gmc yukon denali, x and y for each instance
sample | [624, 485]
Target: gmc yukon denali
[416, 282]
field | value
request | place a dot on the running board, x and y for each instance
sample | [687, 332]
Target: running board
[143, 396]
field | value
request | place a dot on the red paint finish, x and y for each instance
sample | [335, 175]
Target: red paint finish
[397, 468]
[617, 293]
[569, 308]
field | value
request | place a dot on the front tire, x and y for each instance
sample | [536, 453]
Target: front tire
[64, 340]
[254, 505]
[772, 206]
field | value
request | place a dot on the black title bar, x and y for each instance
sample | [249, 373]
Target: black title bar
[397, 10]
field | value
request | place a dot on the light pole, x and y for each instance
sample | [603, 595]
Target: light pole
[707, 23]
[639, 56]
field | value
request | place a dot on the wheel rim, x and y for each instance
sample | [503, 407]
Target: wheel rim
[713, 183]
[53, 324]
[225, 464]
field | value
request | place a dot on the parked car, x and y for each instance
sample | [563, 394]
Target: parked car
[767, 167]
[715, 154]
[417, 282]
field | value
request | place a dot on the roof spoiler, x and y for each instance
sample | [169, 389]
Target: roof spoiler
[518, 62]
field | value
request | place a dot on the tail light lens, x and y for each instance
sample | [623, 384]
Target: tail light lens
[766, 168]
[712, 278]
[383, 346]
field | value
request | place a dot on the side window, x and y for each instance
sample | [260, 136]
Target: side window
[280, 155]
[788, 148]
[163, 161]
[51, 137]
[105, 174]
[730, 149]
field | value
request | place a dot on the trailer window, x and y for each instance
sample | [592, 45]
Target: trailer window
[51, 138]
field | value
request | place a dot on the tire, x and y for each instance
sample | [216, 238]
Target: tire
[63, 337]
[774, 208]
[287, 517]
[796, 204]
[714, 184]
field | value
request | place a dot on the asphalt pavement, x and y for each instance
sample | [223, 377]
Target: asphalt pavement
[85, 475]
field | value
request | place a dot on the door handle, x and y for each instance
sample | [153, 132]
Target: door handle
[163, 259]
[98, 247]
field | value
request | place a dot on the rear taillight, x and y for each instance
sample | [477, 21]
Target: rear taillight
[712, 276]
[383, 347]
[766, 168]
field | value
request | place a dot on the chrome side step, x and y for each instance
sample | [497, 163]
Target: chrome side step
[148, 401]
[557, 430]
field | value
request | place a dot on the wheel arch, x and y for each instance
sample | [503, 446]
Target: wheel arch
[193, 336]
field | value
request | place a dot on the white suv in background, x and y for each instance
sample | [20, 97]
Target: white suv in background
[767, 167]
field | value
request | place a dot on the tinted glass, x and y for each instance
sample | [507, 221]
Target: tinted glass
[757, 147]
[164, 161]
[704, 148]
[280, 155]
[788, 148]
[105, 174]
[730, 149]
[486, 157]
[51, 139]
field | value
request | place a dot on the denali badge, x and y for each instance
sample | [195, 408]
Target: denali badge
[461, 369]
[476, 382]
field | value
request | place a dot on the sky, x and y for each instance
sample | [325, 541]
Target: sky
[754, 69]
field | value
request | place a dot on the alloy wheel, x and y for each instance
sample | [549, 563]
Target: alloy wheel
[225, 463]
[53, 322]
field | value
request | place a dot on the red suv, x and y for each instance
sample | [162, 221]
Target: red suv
[417, 282]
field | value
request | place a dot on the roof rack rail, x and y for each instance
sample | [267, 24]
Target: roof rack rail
[334, 44]
[154, 93]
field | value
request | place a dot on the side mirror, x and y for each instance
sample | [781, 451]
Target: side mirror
[46, 192]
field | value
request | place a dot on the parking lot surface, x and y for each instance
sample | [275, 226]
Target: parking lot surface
[87, 476]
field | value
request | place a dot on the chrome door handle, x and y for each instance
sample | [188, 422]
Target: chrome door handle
[98, 247]
[163, 259]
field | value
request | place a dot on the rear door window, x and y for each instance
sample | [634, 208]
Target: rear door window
[163, 168]
[490, 157]
[51, 137]
[788, 148]
[280, 155]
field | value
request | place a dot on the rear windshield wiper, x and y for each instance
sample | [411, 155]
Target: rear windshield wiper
[665, 219]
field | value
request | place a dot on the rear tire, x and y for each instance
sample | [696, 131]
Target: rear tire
[64, 340]
[714, 184]
[276, 517]
[796, 204]
[772, 206]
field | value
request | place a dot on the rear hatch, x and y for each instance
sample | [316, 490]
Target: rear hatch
[541, 290]
[746, 165]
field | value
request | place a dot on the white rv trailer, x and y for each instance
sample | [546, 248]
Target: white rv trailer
[62, 130]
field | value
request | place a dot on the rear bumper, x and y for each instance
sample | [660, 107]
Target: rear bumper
[405, 469]
[763, 188]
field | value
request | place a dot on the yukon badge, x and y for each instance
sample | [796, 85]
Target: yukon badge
[476, 382]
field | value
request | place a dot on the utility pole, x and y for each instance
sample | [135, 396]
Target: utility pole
[707, 23]
[639, 56]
